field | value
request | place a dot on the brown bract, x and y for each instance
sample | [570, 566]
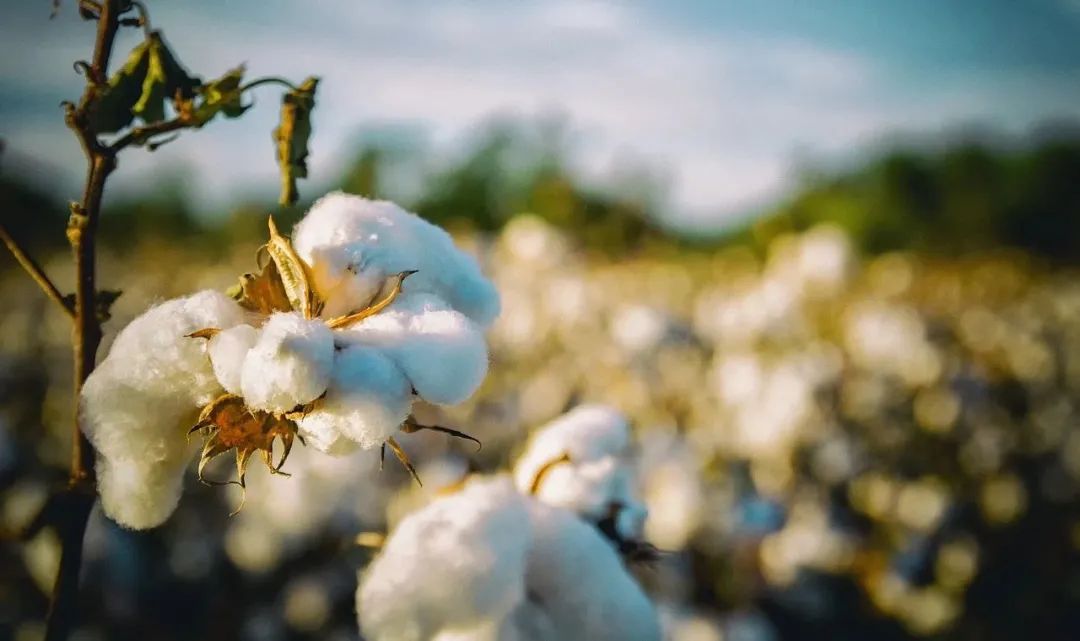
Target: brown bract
[229, 424]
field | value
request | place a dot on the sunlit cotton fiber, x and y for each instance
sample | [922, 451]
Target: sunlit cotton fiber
[367, 400]
[354, 244]
[137, 406]
[289, 364]
[440, 350]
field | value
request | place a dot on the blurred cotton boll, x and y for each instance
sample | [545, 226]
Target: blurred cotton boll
[489, 563]
[578, 461]
[456, 564]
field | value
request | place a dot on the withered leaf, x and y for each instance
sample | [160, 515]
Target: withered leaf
[291, 137]
[165, 79]
[222, 96]
[113, 105]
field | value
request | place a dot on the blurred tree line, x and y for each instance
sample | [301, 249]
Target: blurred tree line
[966, 196]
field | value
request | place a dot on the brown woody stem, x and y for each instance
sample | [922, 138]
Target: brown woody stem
[86, 334]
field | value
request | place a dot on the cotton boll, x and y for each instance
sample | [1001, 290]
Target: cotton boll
[456, 564]
[137, 406]
[227, 350]
[441, 351]
[353, 244]
[587, 434]
[578, 585]
[367, 400]
[289, 365]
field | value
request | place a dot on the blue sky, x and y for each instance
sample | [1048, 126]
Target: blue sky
[722, 97]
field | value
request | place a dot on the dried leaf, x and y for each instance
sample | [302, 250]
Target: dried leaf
[294, 274]
[291, 137]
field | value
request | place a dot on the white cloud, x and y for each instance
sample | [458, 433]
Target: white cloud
[721, 117]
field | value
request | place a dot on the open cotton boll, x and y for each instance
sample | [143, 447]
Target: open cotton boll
[353, 244]
[289, 365]
[137, 406]
[593, 436]
[227, 350]
[578, 586]
[456, 564]
[441, 351]
[367, 400]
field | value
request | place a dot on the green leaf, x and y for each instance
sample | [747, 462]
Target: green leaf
[220, 96]
[112, 108]
[165, 79]
[291, 137]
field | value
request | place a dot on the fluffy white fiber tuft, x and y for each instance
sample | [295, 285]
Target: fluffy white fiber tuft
[584, 591]
[227, 350]
[441, 351]
[456, 564]
[353, 244]
[367, 400]
[596, 477]
[289, 365]
[137, 405]
[488, 563]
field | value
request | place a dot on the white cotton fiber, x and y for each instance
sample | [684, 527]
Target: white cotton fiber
[367, 400]
[227, 350]
[595, 438]
[353, 245]
[289, 365]
[455, 565]
[578, 586]
[137, 406]
[441, 351]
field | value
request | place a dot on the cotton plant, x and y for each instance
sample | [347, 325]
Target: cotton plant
[490, 563]
[365, 310]
[581, 462]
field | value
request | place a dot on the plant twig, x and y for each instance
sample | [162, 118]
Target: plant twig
[35, 271]
[140, 135]
[86, 335]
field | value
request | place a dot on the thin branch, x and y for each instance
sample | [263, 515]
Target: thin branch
[144, 17]
[140, 135]
[35, 271]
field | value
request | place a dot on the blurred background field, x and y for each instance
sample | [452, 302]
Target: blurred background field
[856, 402]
